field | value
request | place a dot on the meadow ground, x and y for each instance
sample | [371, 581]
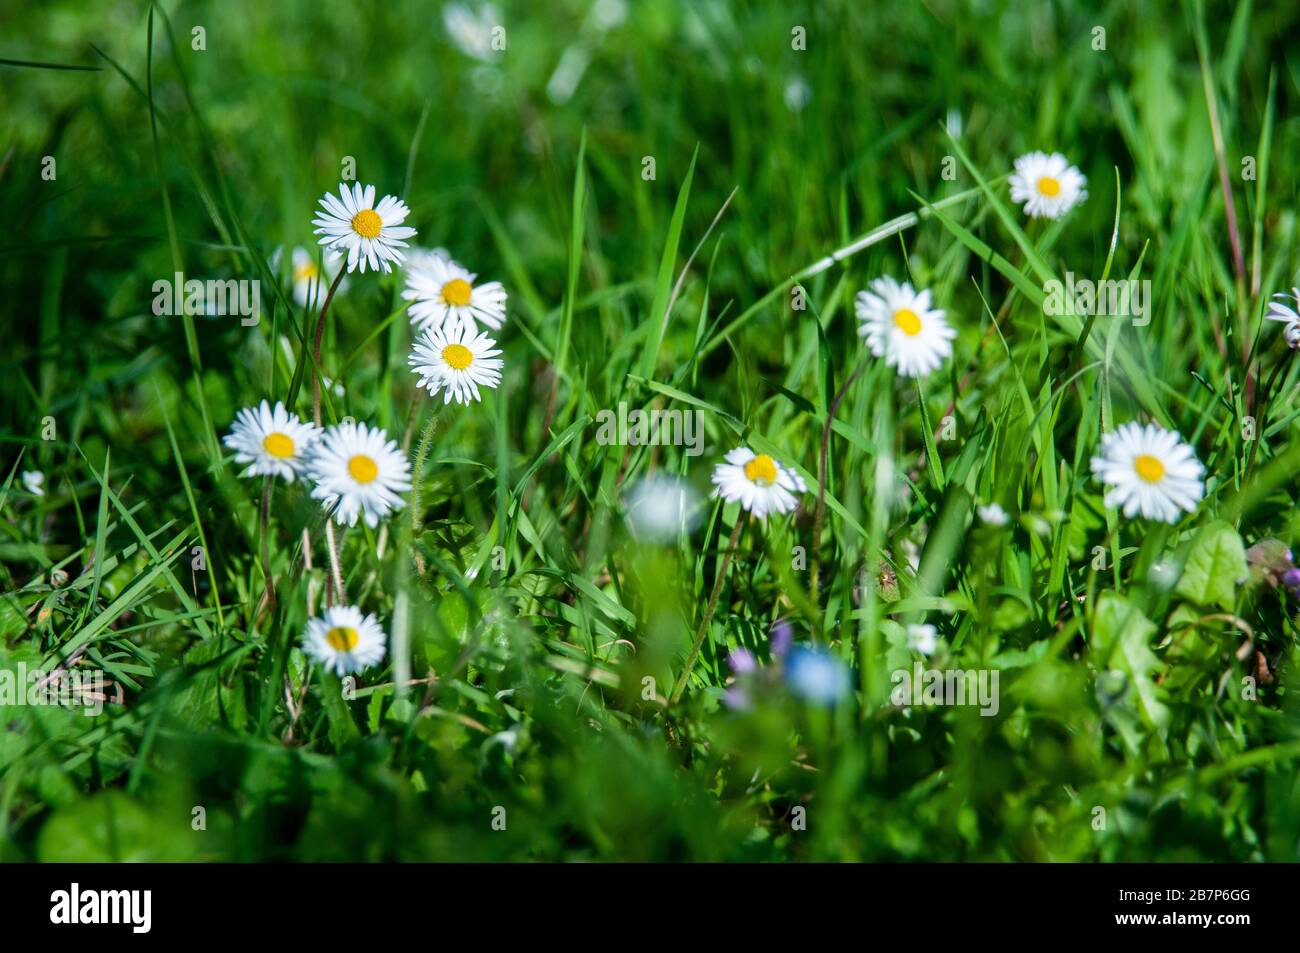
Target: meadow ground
[573, 666]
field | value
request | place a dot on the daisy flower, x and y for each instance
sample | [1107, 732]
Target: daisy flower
[359, 472]
[34, 482]
[369, 233]
[797, 93]
[1150, 471]
[1047, 185]
[471, 29]
[922, 638]
[901, 326]
[343, 641]
[309, 285]
[456, 360]
[272, 441]
[444, 291]
[1287, 315]
[760, 483]
[661, 506]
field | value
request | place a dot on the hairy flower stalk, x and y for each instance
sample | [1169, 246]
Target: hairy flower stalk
[421, 455]
[330, 543]
[340, 597]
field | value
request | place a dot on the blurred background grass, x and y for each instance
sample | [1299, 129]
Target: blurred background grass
[822, 144]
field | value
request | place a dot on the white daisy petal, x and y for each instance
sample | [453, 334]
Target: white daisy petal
[1047, 185]
[370, 233]
[1150, 472]
[34, 482]
[1288, 314]
[310, 284]
[358, 472]
[922, 638]
[901, 327]
[761, 484]
[454, 358]
[343, 641]
[273, 442]
[442, 291]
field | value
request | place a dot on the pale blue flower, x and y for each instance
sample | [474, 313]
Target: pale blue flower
[816, 675]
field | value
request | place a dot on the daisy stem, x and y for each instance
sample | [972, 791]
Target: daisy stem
[263, 520]
[708, 612]
[421, 456]
[339, 597]
[315, 353]
[306, 565]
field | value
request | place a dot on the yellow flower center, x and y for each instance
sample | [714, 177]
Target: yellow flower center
[1149, 468]
[342, 638]
[278, 445]
[305, 272]
[761, 470]
[908, 321]
[367, 223]
[1049, 186]
[362, 468]
[457, 356]
[456, 292]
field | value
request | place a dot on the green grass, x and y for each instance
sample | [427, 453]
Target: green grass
[525, 622]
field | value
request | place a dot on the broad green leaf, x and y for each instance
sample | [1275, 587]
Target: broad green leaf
[112, 827]
[1215, 566]
[1121, 641]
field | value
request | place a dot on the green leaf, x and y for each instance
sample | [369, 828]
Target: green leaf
[112, 827]
[658, 316]
[575, 258]
[342, 728]
[1121, 641]
[1215, 566]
